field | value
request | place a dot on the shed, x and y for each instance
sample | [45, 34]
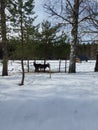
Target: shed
[81, 58]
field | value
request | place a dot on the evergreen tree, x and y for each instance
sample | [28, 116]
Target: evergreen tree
[47, 39]
[30, 32]
[30, 36]
[21, 12]
[62, 47]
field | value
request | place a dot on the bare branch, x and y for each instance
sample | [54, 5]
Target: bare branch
[54, 13]
[82, 11]
[68, 3]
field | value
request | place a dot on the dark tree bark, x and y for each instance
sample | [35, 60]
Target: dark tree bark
[4, 39]
[96, 65]
[22, 43]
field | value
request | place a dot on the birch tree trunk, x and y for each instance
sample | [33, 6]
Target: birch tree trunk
[74, 34]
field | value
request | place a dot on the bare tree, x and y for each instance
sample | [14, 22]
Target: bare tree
[74, 13]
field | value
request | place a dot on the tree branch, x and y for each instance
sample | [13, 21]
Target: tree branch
[54, 13]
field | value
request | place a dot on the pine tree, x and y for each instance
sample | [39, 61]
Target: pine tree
[48, 37]
[30, 32]
[21, 12]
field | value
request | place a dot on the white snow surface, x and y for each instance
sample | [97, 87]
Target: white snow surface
[63, 102]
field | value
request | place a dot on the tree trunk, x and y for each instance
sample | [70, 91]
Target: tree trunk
[4, 39]
[74, 33]
[65, 65]
[96, 65]
[72, 64]
[44, 64]
[28, 66]
[22, 43]
[23, 73]
[22, 63]
[59, 65]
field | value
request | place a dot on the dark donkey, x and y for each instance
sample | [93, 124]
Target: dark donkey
[39, 67]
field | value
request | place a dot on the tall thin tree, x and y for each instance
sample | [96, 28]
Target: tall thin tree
[4, 37]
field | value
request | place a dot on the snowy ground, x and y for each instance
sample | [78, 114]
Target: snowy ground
[62, 102]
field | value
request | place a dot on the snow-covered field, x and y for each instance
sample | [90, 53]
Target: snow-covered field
[62, 102]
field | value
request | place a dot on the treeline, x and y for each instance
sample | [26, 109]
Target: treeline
[88, 50]
[40, 50]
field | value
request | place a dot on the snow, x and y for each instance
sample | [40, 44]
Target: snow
[62, 102]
